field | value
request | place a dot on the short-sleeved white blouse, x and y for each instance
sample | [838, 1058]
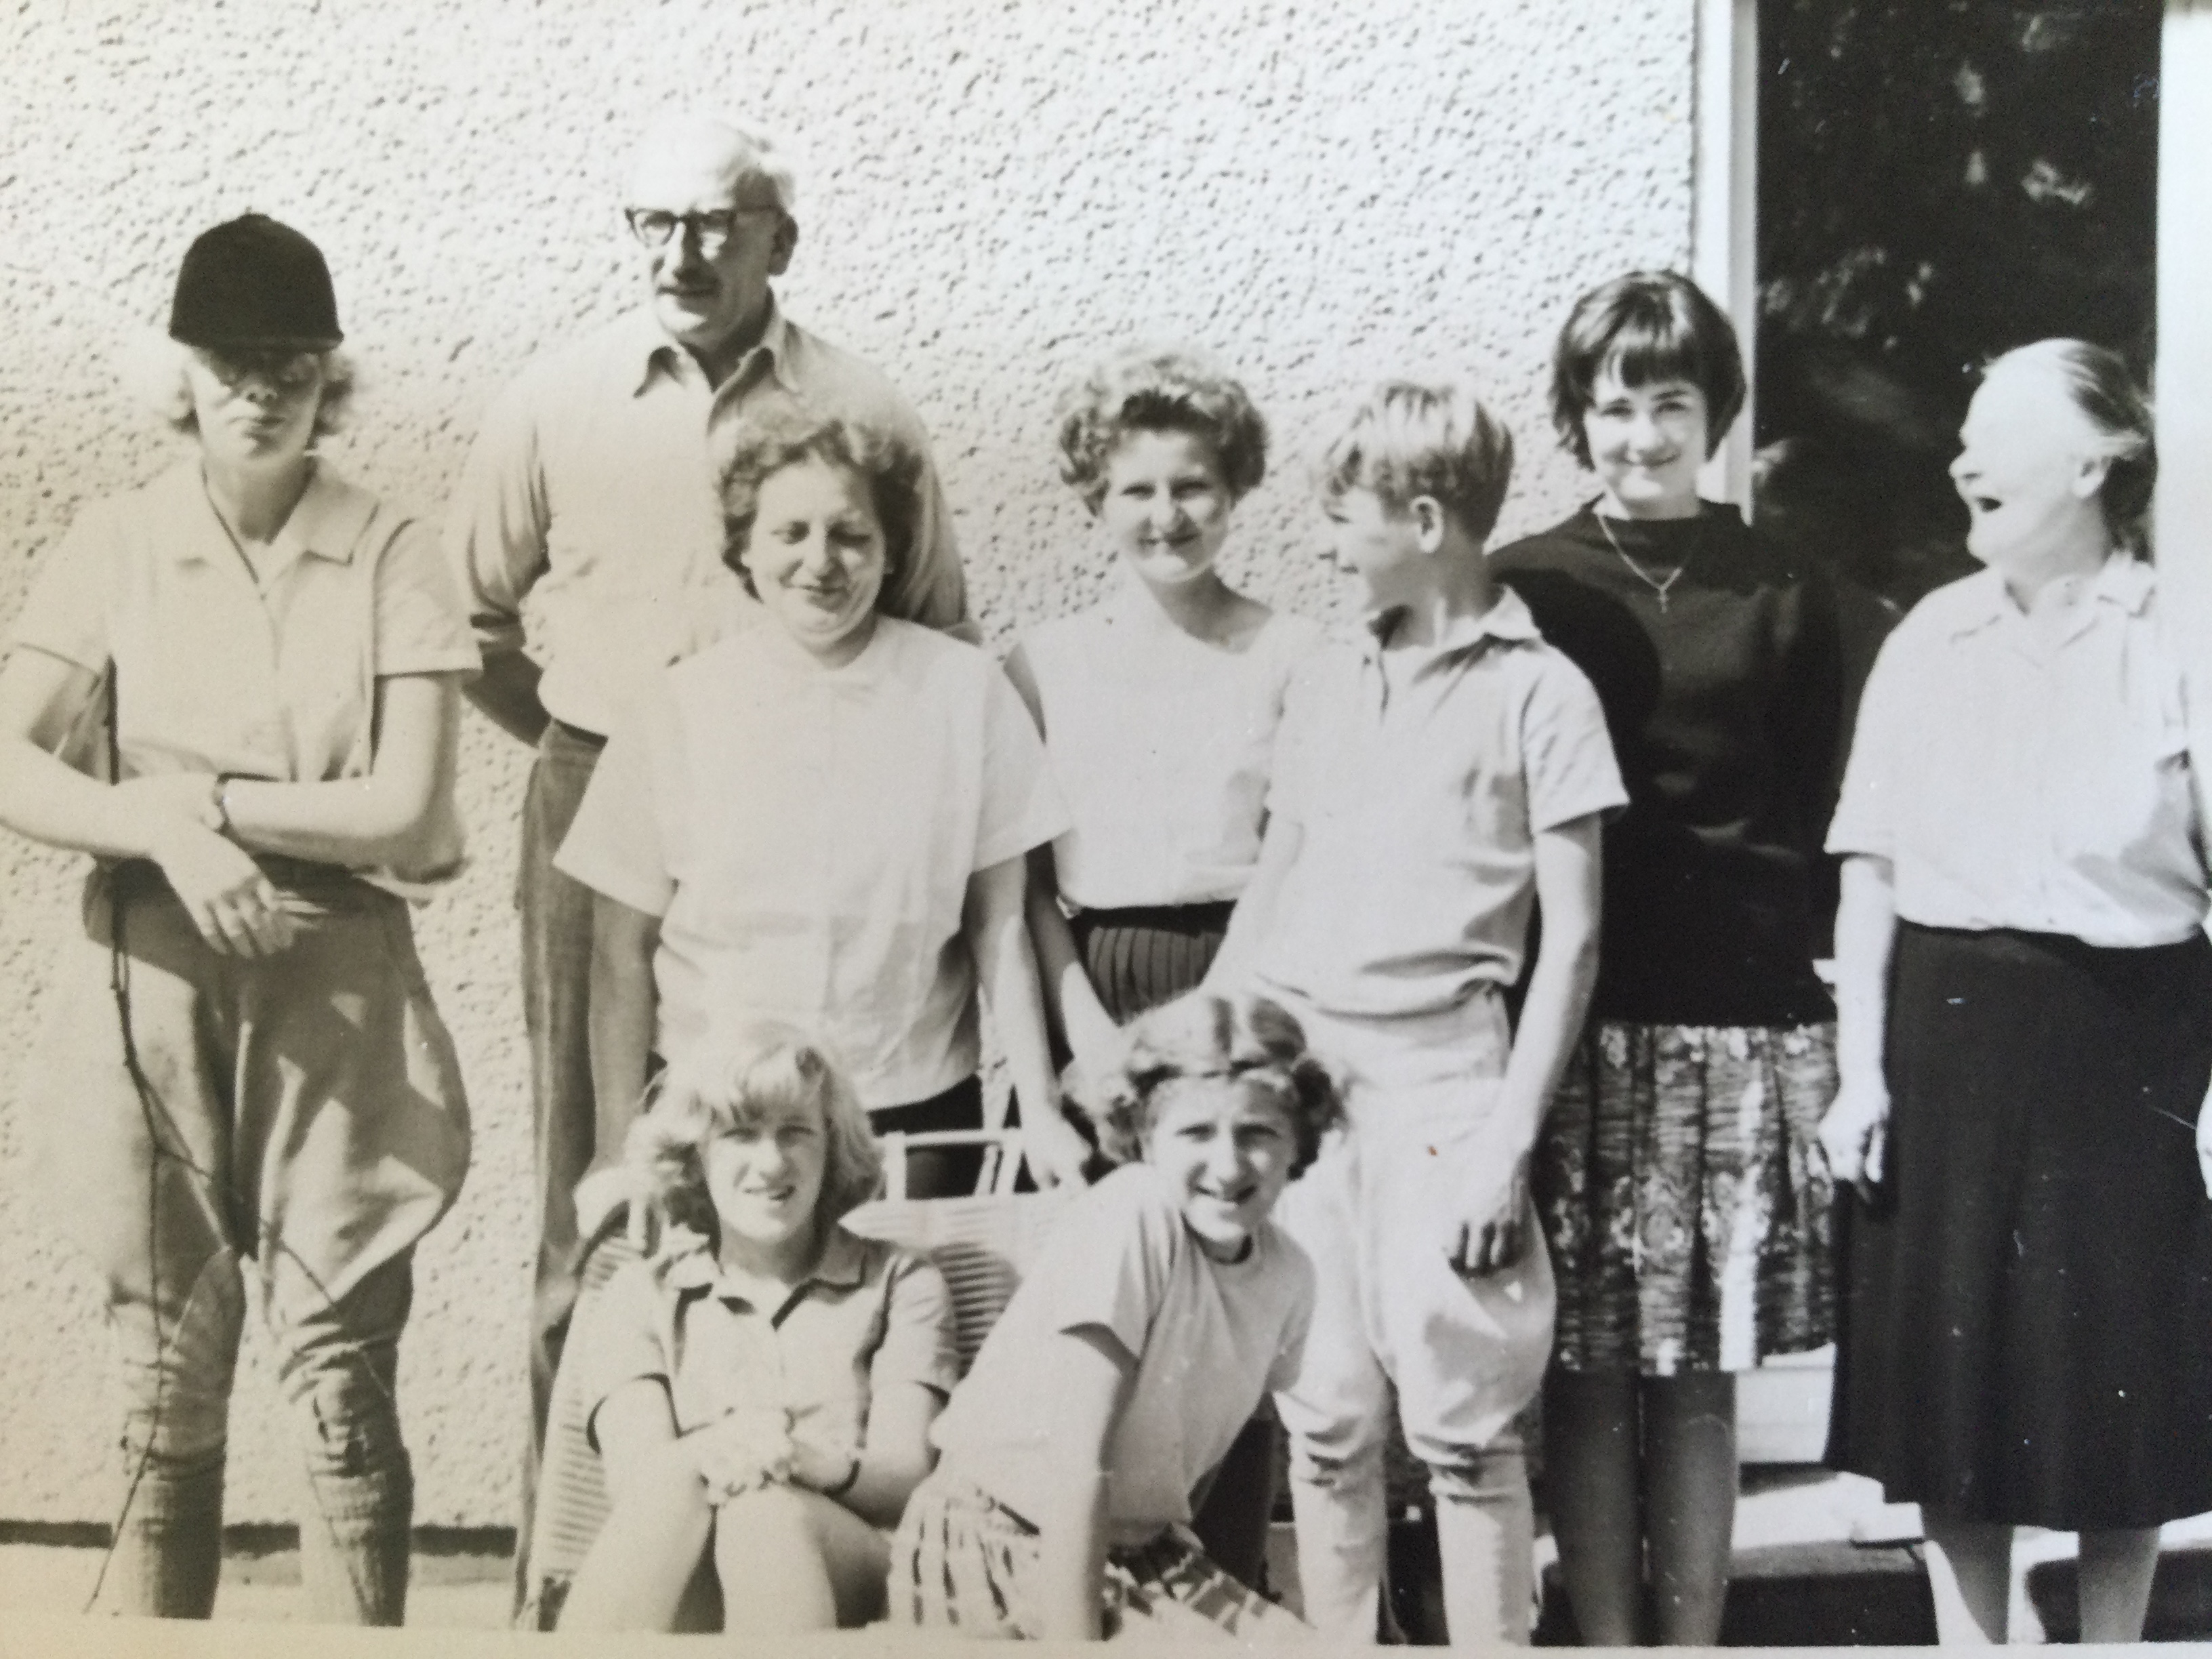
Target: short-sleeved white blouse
[2031, 770]
[807, 836]
[215, 672]
[1161, 746]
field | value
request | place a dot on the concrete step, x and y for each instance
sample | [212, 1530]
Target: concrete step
[1799, 1579]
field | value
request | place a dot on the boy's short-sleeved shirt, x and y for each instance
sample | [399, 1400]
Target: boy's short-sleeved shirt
[806, 836]
[869, 1317]
[1210, 1339]
[217, 674]
[1417, 798]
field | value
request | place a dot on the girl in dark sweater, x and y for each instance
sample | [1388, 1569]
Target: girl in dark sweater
[1686, 1211]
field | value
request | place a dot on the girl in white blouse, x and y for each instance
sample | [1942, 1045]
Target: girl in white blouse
[1158, 708]
[2025, 1040]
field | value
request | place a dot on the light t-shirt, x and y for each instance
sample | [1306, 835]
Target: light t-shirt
[217, 674]
[1210, 1339]
[2031, 770]
[1161, 746]
[1417, 801]
[807, 836]
[869, 1316]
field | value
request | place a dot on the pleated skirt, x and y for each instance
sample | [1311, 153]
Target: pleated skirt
[1138, 958]
[1687, 1210]
[2027, 1327]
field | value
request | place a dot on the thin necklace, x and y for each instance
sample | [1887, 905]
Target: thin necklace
[1641, 573]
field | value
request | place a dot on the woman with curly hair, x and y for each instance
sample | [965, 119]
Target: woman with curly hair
[1158, 708]
[1166, 1303]
[760, 1388]
[823, 818]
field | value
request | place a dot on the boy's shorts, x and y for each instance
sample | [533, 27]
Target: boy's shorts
[1377, 1213]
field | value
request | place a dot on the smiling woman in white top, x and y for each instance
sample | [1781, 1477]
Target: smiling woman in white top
[823, 818]
[2025, 1005]
[1158, 708]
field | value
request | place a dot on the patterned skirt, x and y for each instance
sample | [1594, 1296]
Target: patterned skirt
[1687, 1212]
[964, 1562]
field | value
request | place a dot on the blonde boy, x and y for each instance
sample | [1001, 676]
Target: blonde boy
[1431, 783]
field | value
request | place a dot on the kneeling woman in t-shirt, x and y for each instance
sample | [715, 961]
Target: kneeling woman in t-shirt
[1166, 1303]
[823, 817]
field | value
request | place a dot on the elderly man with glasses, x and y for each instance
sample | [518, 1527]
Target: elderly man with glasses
[588, 537]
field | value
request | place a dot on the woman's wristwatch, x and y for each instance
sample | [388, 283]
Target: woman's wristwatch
[223, 826]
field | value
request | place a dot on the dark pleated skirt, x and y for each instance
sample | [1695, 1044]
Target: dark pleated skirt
[2025, 1333]
[1139, 958]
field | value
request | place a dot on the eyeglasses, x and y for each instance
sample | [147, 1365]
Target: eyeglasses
[276, 366]
[712, 229]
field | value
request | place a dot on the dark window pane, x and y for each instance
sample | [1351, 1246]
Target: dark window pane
[1938, 181]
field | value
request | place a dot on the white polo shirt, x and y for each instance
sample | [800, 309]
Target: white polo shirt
[217, 673]
[806, 835]
[1420, 796]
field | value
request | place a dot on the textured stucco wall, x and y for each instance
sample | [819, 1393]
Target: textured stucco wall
[996, 191]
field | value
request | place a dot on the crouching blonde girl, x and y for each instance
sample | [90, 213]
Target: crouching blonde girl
[762, 1385]
[1165, 1305]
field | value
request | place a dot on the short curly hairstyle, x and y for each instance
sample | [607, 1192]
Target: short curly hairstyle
[1158, 389]
[754, 449]
[154, 370]
[1200, 1035]
[1647, 325]
[758, 1068]
[1408, 440]
[2096, 380]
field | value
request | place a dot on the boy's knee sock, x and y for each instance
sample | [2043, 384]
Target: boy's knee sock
[1343, 1535]
[168, 1545]
[1485, 1535]
[353, 1546]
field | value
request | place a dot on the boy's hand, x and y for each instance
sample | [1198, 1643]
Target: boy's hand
[1053, 1151]
[1494, 1235]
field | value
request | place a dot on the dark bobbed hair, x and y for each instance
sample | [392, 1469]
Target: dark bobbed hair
[737, 1079]
[1200, 1035]
[1149, 388]
[757, 447]
[1408, 439]
[1647, 325]
[2098, 381]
